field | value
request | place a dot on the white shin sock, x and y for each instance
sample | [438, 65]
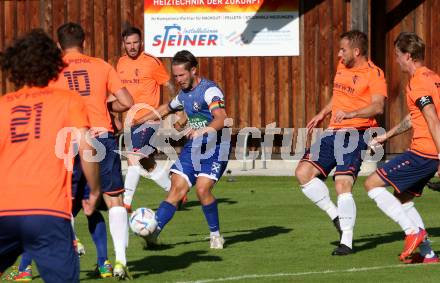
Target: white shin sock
[131, 182]
[118, 224]
[318, 193]
[161, 177]
[347, 217]
[392, 207]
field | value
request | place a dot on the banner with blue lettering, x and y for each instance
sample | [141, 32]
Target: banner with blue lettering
[219, 28]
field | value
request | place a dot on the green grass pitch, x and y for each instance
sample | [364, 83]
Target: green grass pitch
[273, 234]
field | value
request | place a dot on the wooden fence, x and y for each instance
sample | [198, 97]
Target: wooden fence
[259, 90]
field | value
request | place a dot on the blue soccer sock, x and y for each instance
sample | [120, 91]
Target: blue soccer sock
[211, 215]
[164, 214]
[25, 261]
[98, 231]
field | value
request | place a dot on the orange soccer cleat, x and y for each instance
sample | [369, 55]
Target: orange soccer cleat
[412, 241]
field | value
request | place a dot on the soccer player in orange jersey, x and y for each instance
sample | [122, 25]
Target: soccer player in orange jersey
[409, 172]
[93, 79]
[359, 93]
[142, 74]
[35, 210]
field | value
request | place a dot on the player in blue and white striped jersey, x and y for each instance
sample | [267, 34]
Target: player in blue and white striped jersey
[204, 156]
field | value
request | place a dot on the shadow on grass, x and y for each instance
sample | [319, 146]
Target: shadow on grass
[245, 235]
[159, 247]
[194, 203]
[159, 264]
[255, 234]
[371, 241]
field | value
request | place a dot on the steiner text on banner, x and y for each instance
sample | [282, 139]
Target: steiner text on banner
[213, 28]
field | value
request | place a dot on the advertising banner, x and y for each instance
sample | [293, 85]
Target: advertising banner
[219, 28]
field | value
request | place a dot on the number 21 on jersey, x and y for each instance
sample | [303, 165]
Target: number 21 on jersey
[21, 117]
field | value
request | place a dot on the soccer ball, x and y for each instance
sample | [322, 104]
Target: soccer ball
[143, 221]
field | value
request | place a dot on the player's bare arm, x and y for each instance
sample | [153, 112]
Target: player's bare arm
[430, 114]
[216, 124]
[91, 172]
[163, 110]
[319, 117]
[400, 128]
[123, 101]
[375, 108]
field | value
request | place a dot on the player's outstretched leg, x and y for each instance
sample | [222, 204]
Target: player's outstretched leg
[130, 184]
[392, 207]
[158, 174]
[161, 177]
[167, 208]
[317, 191]
[427, 254]
[210, 210]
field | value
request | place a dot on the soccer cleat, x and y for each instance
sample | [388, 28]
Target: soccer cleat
[105, 270]
[152, 240]
[435, 186]
[11, 274]
[337, 226]
[121, 272]
[216, 242]
[412, 241]
[80, 248]
[342, 249]
[19, 276]
[418, 258]
[128, 208]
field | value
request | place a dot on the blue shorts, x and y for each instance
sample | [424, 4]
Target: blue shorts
[109, 169]
[48, 240]
[143, 139]
[211, 167]
[408, 172]
[331, 153]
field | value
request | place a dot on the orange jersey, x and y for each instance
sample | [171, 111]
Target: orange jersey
[143, 78]
[424, 83]
[92, 78]
[353, 89]
[33, 179]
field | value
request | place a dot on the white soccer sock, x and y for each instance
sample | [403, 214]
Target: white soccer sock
[318, 193]
[118, 229]
[161, 177]
[411, 211]
[347, 217]
[392, 207]
[216, 233]
[131, 182]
